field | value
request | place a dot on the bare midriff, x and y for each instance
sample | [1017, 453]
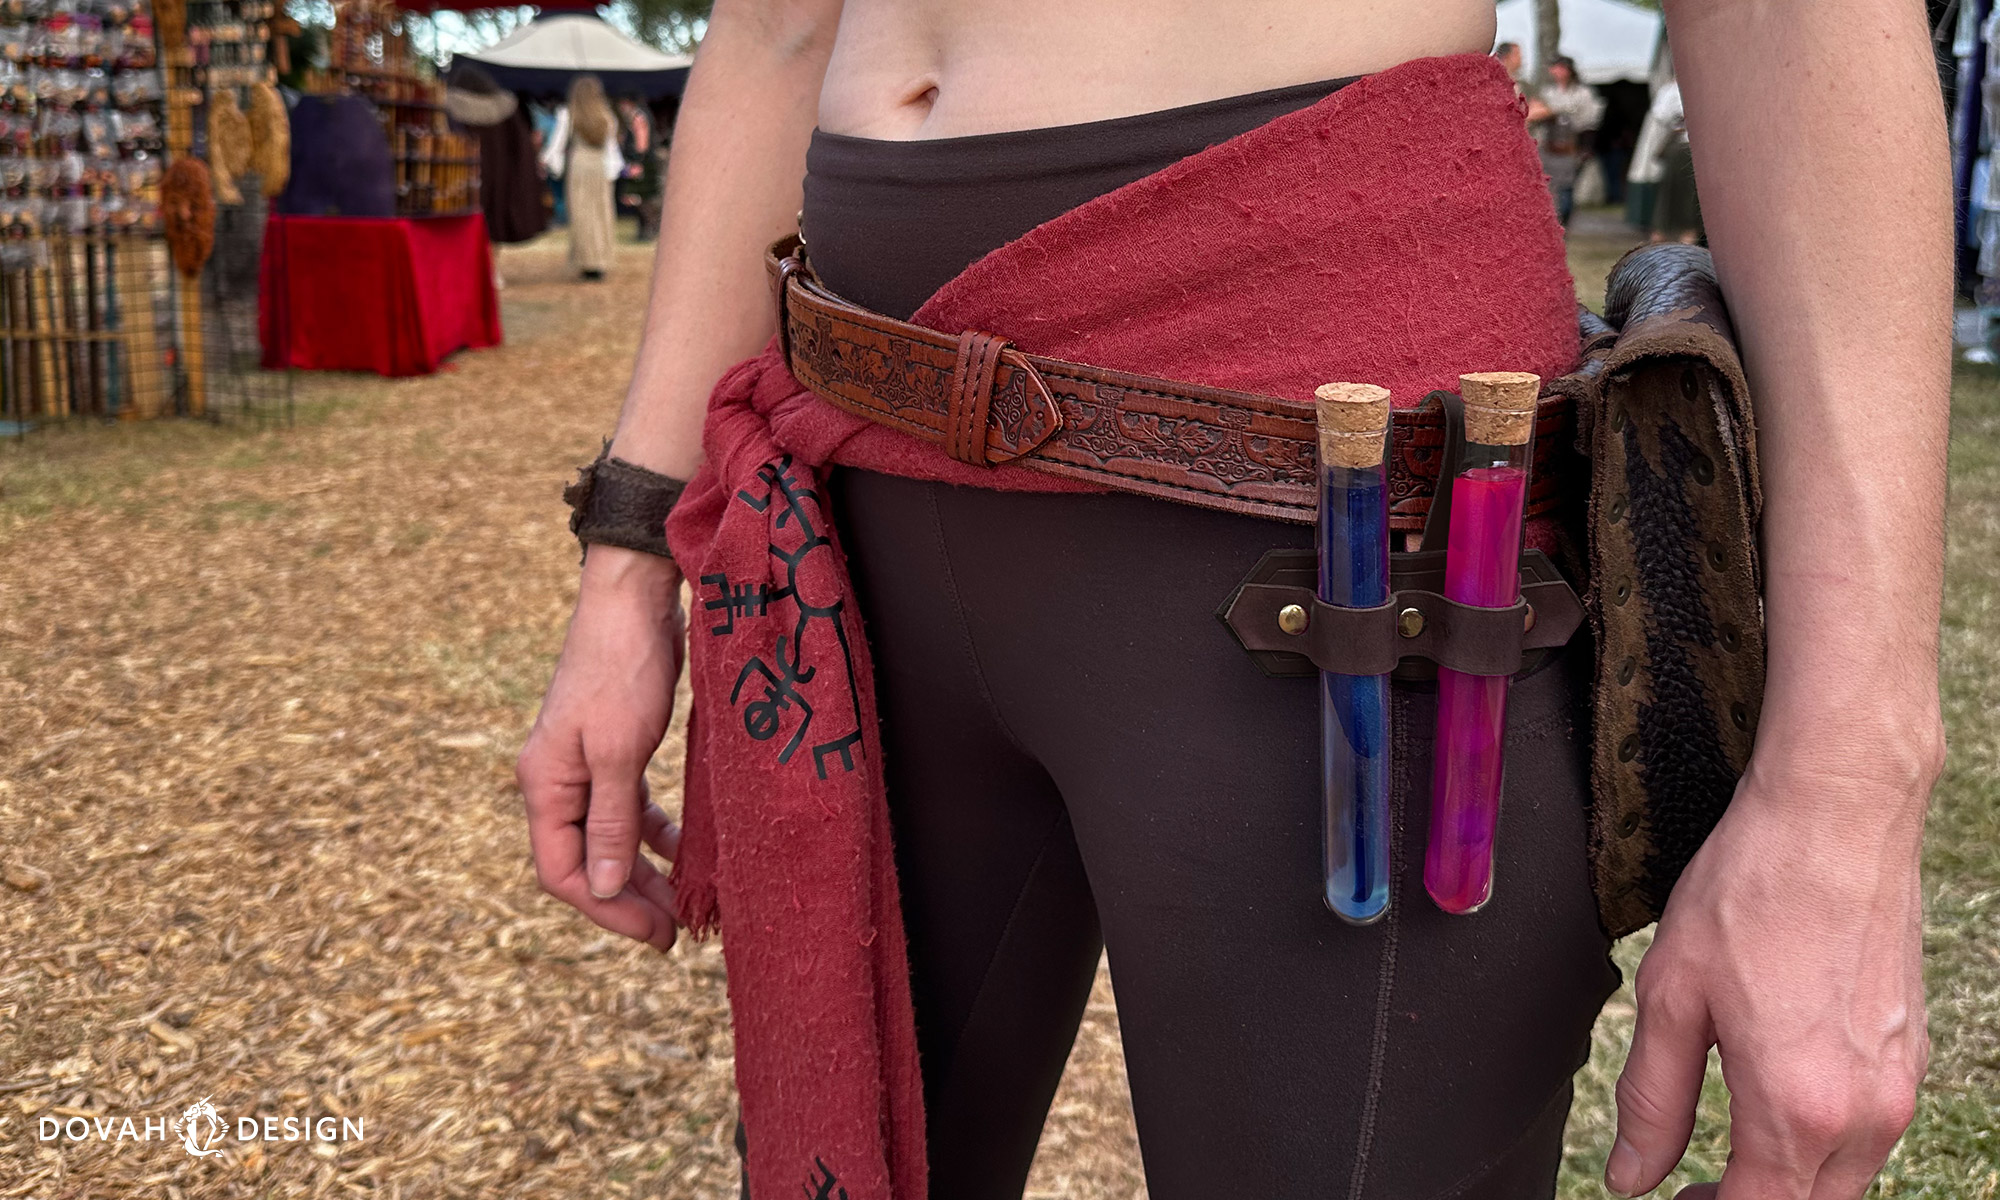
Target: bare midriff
[911, 69]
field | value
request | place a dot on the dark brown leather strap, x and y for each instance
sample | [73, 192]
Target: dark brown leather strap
[1414, 624]
[1211, 447]
[1417, 625]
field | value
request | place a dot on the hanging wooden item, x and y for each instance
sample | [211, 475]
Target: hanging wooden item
[229, 145]
[270, 138]
[187, 215]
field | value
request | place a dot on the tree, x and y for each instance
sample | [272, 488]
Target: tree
[1548, 37]
[671, 25]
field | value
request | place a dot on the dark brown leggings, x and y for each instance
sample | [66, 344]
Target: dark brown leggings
[1080, 757]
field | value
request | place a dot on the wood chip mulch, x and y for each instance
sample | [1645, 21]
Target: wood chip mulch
[259, 839]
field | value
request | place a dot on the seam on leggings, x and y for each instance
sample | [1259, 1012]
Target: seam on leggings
[965, 625]
[999, 943]
[1385, 979]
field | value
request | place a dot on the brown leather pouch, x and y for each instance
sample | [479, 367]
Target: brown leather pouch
[1675, 598]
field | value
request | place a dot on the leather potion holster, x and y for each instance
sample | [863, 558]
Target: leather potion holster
[1664, 542]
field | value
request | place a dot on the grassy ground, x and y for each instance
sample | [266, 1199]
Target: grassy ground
[259, 693]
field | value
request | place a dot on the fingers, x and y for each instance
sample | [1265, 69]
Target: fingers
[1812, 1124]
[1660, 1086]
[660, 834]
[642, 910]
[1800, 1135]
[563, 810]
[611, 827]
[1874, 1127]
[652, 887]
[555, 784]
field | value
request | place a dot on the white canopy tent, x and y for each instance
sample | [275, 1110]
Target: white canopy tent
[541, 57]
[1609, 39]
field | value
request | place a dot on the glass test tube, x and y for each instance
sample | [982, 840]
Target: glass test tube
[1482, 567]
[1354, 709]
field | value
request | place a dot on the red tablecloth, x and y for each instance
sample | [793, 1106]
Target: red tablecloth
[389, 295]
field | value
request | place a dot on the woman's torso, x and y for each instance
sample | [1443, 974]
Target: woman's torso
[910, 69]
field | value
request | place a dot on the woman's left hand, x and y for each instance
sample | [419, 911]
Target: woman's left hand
[1794, 944]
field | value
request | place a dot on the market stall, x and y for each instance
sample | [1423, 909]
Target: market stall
[101, 314]
[541, 58]
[375, 257]
[395, 296]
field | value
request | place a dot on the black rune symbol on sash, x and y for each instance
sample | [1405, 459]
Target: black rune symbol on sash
[785, 678]
[821, 1185]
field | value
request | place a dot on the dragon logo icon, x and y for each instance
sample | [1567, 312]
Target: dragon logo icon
[201, 1129]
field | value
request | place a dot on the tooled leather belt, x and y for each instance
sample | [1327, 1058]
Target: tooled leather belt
[988, 403]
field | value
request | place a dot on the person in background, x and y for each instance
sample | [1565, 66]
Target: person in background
[551, 137]
[1563, 115]
[1509, 54]
[593, 162]
[635, 143]
[510, 187]
[1625, 105]
[1663, 118]
[653, 169]
[1677, 209]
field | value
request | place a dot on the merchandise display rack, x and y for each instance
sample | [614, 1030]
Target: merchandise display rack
[370, 54]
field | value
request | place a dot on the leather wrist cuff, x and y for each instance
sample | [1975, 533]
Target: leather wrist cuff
[615, 503]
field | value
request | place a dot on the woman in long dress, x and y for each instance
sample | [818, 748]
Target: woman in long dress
[592, 148]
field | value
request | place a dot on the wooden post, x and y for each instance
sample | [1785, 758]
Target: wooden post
[192, 358]
[145, 374]
[45, 358]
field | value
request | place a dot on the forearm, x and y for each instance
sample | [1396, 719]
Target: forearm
[732, 187]
[1820, 148]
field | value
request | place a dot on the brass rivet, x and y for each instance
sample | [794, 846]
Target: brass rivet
[1716, 558]
[1292, 618]
[1409, 622]
[1628, 824]
[1739, 716]
[1618, 419]
[1617, 511]
[1703, 470]
[1730, 638]
[1621, 593]
[1688, 384]
[1629, 748]
[1528, 619]
[1627, 669]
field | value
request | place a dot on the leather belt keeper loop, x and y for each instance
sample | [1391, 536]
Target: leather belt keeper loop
[1418, 622]
[970, 396]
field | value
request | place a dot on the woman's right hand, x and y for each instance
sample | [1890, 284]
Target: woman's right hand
[583, 769]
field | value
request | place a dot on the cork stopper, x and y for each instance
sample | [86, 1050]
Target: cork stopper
[1353, 422]
[1499, 407]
